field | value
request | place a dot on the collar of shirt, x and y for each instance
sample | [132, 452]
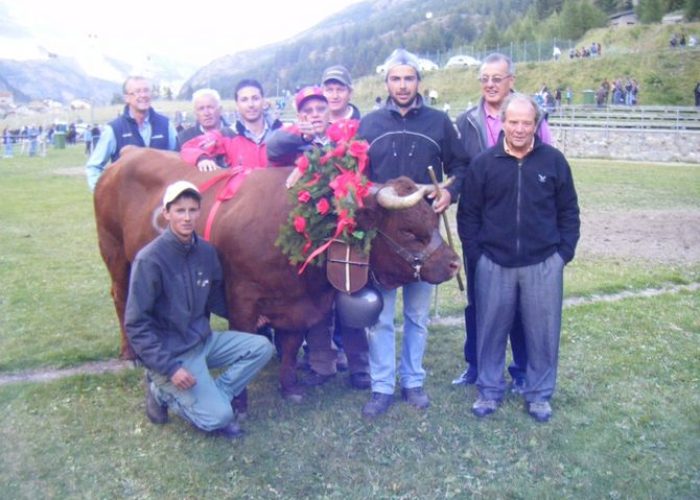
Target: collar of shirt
[493, 127]
[507, 149]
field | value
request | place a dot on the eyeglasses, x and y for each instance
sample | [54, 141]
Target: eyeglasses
[139, 92]
[495, 79]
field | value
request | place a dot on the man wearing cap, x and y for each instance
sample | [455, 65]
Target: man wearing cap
[405, 138]
[286, 144]
[138, 125]
[337, 87]
[479, 128]
[176, 282]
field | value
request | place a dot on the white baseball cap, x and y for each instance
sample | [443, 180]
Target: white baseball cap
[176, 189]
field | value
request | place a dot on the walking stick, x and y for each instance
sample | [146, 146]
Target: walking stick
[431, 171]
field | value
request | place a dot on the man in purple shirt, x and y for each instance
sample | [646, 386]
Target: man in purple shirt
[479, 128]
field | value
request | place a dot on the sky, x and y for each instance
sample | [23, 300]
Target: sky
[193, 32]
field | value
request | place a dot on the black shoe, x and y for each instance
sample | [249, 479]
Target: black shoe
[467, 377]
[156, 412]
[360, 380]
[377, 405]
[341, 361]
[416, 397]
[483, 407]
[540, 410]
[518, 385]
[230, 431]
[313, 379]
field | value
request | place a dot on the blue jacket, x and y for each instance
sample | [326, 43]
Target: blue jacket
[408, 145]
[173, 289]
[519, 212]
[126, 131]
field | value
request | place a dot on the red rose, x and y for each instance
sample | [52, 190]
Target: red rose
[302, 163]
[339, 150]
[303, 196]
[323, 206]
[299, 224]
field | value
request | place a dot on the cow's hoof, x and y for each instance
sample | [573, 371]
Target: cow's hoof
[293, 395]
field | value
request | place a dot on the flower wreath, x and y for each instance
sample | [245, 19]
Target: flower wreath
[330, 189]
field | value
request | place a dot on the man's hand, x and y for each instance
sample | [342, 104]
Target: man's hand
[206, 165]
[441, 203]
[182, 379]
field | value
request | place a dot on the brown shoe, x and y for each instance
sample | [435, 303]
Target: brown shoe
[156, 412]
[360, 380]
[377, 405]
[416, 397]
[230, 431]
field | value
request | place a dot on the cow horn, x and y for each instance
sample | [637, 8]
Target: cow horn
[389, 199]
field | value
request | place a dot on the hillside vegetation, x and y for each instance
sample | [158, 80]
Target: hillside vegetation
[666, 76]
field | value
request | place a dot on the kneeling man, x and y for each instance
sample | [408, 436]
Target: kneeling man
[176, 282]
[519, 221]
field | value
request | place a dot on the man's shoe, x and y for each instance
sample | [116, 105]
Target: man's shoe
[156, 412]
[467, 377]
[313, 378]
[341, 361]
[377, 405]
[416, 397]
[483, 407]
[540, 410]
[518, 385]
[230, 431]
[360, 380]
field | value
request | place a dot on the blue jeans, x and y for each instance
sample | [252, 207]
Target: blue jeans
[207, 405]
[539, 289]
[382, 339]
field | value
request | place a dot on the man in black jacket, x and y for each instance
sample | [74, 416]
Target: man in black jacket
[176, 282]
[479, 128]
[405, 138]
[519, 220]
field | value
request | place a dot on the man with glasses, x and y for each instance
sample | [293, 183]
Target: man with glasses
[138, 125]
[479, 128]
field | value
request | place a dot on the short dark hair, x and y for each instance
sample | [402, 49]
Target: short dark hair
[248, 82]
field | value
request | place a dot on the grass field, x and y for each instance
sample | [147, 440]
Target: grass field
[626, 421]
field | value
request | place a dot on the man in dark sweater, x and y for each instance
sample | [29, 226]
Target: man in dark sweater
[518, 219]
[176, 282]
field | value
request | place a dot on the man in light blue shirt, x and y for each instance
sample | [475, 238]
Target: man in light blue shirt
[138, 125]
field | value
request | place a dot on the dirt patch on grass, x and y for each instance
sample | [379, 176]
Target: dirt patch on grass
[666, 236]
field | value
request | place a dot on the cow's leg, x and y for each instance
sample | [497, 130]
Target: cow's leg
[290, 342]
[113, 254]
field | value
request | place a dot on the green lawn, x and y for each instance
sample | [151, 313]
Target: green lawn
[626, 411]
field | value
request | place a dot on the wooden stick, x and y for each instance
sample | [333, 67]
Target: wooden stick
[438, 194]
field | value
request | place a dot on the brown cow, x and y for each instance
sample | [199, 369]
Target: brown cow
[259, 279]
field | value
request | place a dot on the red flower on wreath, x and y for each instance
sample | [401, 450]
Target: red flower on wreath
[304, 196]
[342, 130]
[299, 224]
[323, 206]
[302, 164]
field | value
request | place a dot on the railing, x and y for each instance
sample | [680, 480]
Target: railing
[627, 117]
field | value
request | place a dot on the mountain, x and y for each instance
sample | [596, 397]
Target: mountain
[33, 68]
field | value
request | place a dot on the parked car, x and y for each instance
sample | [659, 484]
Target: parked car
[462, 62]
[427, 65]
